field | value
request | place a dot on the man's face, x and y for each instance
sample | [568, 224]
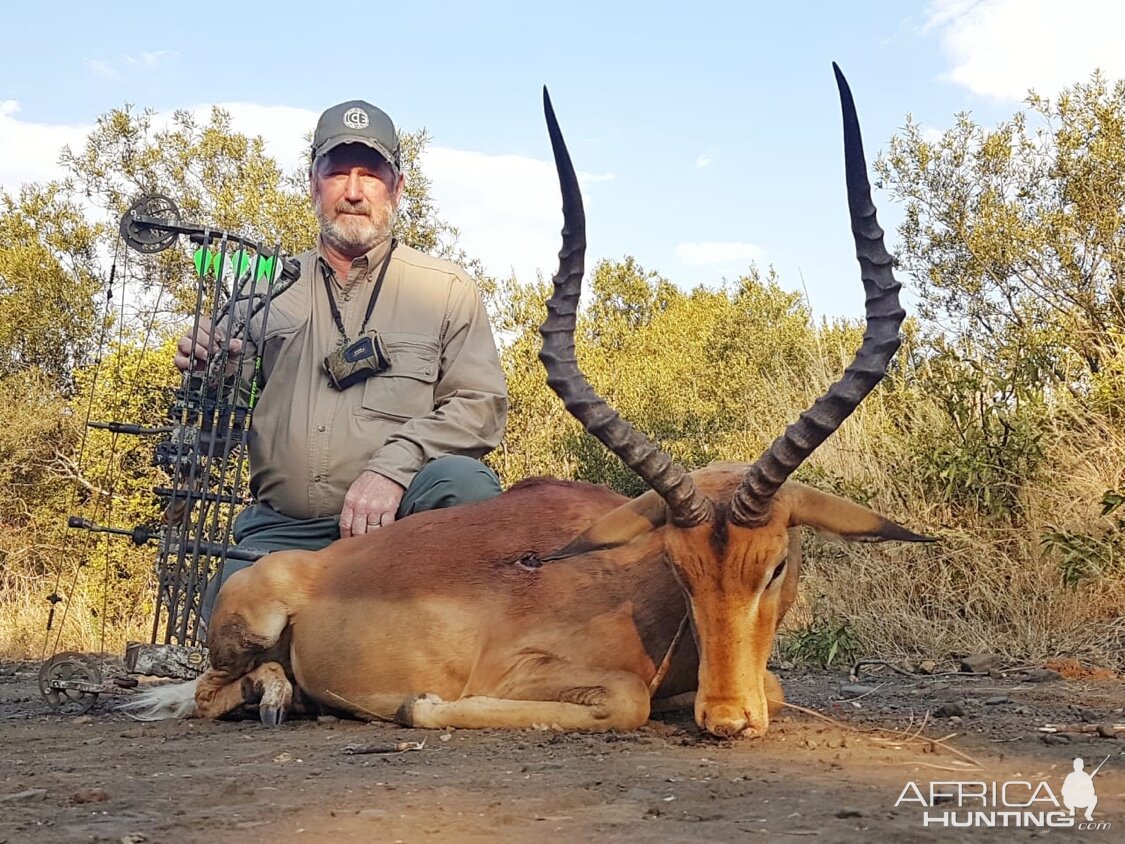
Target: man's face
[355, 194]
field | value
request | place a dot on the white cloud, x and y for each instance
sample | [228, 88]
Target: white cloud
[507, 207]
[717, 253]
[703, 161]
[29, 152]
[146, 61]
[150, 58]
[283, 128]
[931, 134]
[1001, 48]
[104, 69]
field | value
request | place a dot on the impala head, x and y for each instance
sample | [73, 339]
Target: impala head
[725, 528]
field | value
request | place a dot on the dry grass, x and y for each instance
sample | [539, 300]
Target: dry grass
[23, 627]
[987, 585]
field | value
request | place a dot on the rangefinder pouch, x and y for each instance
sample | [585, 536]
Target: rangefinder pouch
[357, 361]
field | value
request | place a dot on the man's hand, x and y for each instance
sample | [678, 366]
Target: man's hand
[193, 352]
[371, 503]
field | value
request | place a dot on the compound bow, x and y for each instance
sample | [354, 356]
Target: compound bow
[202, 448]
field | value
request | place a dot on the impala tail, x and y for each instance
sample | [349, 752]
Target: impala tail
[172, 701]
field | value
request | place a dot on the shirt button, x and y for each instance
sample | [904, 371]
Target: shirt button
[321, 429]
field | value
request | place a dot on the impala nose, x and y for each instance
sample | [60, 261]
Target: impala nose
[727, 721]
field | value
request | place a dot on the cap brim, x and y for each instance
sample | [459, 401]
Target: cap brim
[371, 143]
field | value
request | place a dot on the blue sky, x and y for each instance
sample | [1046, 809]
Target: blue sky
[707, 133]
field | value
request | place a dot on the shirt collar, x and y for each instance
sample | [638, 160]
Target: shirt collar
[363, 268]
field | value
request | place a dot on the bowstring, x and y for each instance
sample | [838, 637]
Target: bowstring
[54, 597]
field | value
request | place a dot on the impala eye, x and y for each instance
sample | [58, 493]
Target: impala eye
[777, 573]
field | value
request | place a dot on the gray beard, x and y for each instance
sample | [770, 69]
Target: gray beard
[355, 234]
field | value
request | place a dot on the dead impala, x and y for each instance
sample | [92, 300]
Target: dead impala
[560, 603]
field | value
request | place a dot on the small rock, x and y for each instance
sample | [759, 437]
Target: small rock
[927, 666]
[30, 794]
[82, 719]
[1056, 738]
[980, 663]
[855, 689]
[133, 838]
[541, 766]
[849, 813]
[996, 700]
[1042, 675]
[327, 719]
[949, 710]
[90, 795]
[136, 732]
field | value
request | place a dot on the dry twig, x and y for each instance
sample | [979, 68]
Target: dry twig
[374, 715]
[383, 749]
[908, 736]
[1098, 729]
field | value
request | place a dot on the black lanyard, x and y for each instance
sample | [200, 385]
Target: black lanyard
[324, 270]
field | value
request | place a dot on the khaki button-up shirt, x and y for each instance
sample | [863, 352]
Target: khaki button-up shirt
[444, 392]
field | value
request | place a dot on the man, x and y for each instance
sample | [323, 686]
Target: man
[1078, 789]
[341, 449]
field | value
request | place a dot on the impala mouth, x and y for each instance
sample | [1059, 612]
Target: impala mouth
[729, 720]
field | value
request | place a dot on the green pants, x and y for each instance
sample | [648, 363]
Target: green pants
[445, 482]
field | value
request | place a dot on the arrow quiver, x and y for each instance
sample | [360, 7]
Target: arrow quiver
[202, 449]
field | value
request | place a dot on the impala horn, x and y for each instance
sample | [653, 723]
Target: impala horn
[636, 451]
[751, 503]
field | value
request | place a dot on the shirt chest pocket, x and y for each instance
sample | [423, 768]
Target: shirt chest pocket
[406, 389]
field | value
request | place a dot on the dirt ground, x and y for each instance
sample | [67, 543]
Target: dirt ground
[102, 777]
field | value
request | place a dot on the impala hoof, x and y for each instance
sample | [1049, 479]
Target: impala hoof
[271, 716]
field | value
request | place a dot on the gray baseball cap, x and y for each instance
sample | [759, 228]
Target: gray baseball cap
[358, 122]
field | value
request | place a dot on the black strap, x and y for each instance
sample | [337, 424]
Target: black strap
[324, 270]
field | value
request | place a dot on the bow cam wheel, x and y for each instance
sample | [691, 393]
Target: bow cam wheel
[68, 682]
[141, 226]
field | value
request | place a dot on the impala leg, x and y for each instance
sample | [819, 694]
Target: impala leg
[595, 701]
[218, 694]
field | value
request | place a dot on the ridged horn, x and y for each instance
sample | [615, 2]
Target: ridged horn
[641, 455]
[751, 503]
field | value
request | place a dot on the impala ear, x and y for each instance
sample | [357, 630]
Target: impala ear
[617, 527]
[833, 514]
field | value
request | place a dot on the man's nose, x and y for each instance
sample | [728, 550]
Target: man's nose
[353, 189]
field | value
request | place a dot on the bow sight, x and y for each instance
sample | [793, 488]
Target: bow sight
[202, 449]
